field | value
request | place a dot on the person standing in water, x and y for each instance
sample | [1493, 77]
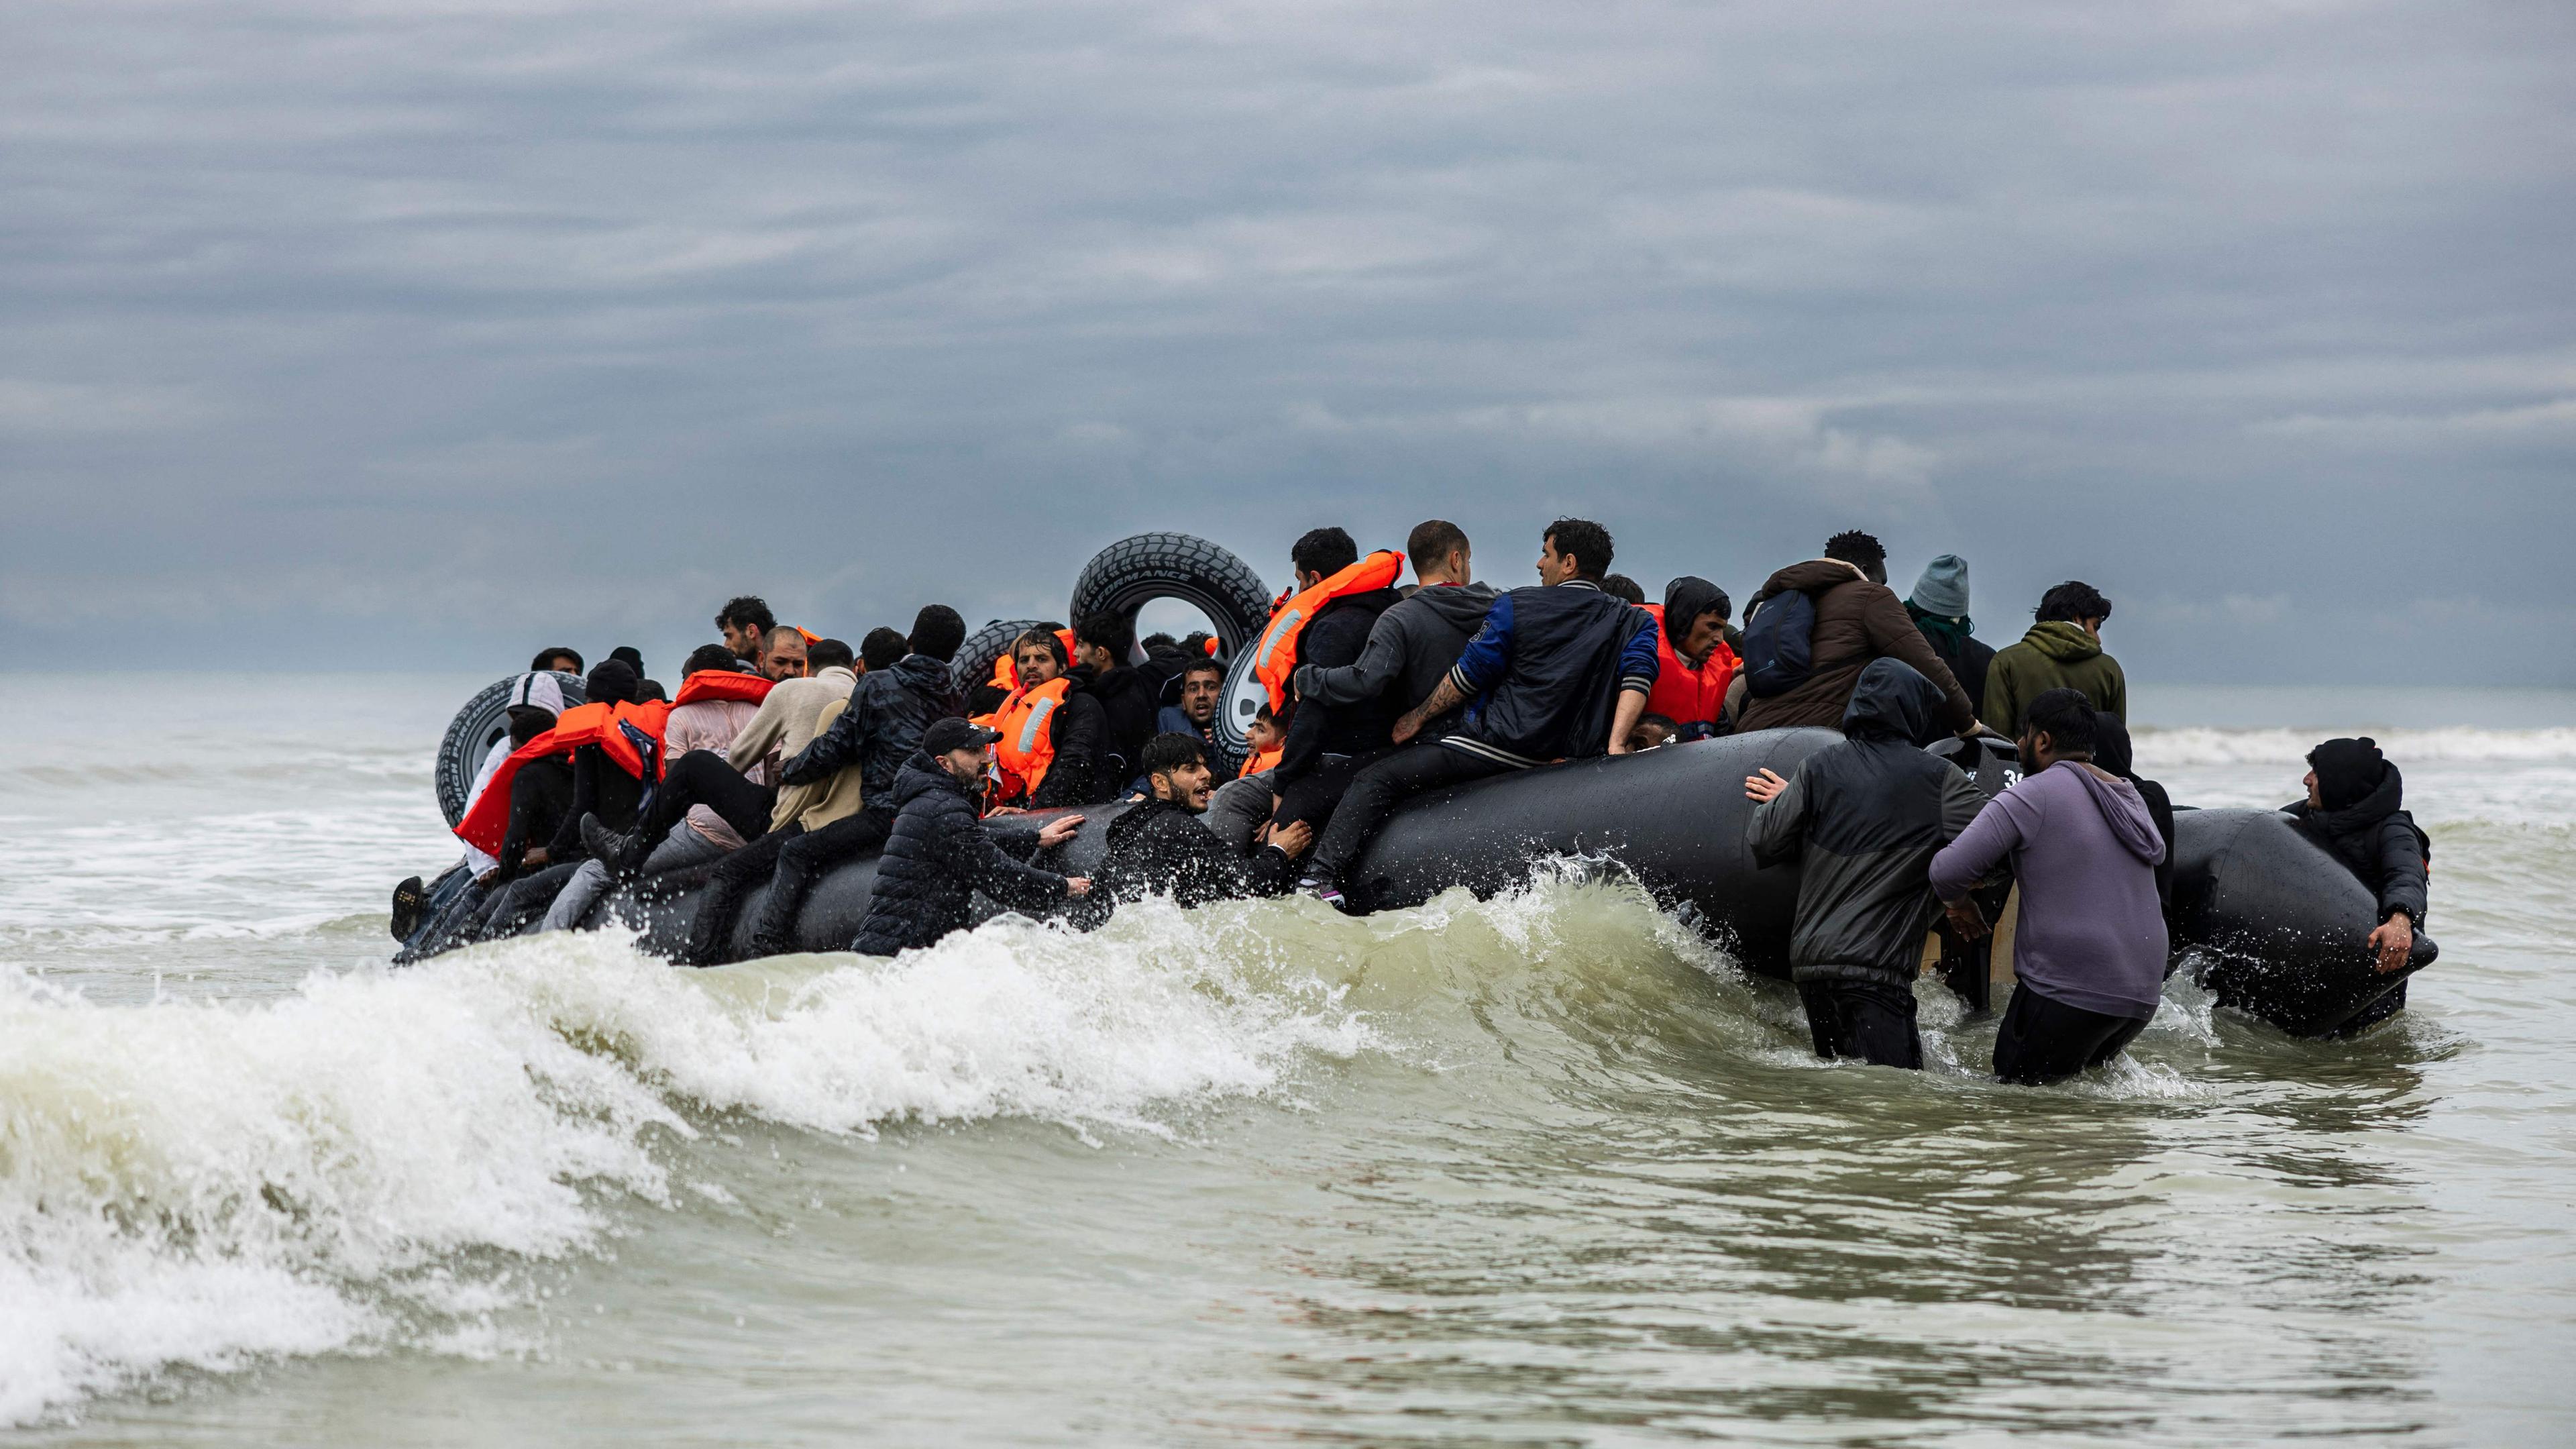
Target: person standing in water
[2353, 810]
[1864, 817]
[2090, 946]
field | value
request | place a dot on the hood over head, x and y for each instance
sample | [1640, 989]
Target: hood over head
[2111, 748]
[540, 690]
[1685, 599]
[2124, 810]
[2347, 771]
[2063, 640]
[1893, 701]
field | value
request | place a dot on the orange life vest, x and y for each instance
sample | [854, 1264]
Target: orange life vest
[605, 725]
[1027, 746]
[724, 684]
[1684, 695]
[1255, 764]
[1275, 657]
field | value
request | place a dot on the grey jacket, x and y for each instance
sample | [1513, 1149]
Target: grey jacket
[1865, 818]
[1409, 651]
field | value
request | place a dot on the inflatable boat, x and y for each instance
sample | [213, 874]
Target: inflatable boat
[2264, 917]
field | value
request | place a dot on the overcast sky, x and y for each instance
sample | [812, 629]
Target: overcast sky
[355, 334]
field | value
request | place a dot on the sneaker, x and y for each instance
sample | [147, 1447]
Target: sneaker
[1322, 890]
[407, 902]
[615, 851]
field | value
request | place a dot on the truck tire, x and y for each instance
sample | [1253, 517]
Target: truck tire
[481, 724]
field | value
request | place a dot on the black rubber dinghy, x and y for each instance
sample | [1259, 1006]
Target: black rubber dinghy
[481, 724]
[2274, 925]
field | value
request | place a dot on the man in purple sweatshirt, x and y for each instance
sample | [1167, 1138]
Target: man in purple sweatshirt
[2090, 948]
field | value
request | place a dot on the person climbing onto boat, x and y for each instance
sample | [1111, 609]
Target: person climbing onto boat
[2089, 947]
[1834, 615]
[1559, 671]
[2353, 808]
[940, 853]
[1864, 817]
[1413, 644]
[1163, 846]
[1694, 666]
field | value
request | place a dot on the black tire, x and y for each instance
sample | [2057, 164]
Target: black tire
[974, 662]
[1133, 572]
[482, 723]
[1243, 698]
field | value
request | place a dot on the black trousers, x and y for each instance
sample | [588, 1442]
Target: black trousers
[1377, 789]
[1872, 1021]
[522, 901]
[1311, 797]
[807, 858]
[703, 777]
[720, 904]
[2043, 1041]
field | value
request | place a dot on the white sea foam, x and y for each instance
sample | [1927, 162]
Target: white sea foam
[198, 1184]
[2168, 748]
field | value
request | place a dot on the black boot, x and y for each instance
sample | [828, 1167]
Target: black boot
[407, 903]
[622, 854]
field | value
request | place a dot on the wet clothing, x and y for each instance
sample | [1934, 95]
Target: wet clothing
[1164, 848]
[1856, 621]
[1374, 792]
[1865, 817]
[601, 787]
[684, 846]
[1956, 641]
[2111, 751]
[1128, 698]
[2056, 655]
[1544, 673]
[1334, 639]
[2378, 842]
[1081, 772]
[1410, 649]
[540, 801]
[881, 729]
[1870, 1021]
[2091, 933]
[2043, 1040]
[937, 856]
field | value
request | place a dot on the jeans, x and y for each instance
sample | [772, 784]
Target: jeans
[681, 847]
[1378, 789]
[1870, 1020]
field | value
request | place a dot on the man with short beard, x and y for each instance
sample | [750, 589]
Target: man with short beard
[939, 853]
[1162, 846]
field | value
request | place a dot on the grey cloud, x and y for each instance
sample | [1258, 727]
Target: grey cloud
[437, 328]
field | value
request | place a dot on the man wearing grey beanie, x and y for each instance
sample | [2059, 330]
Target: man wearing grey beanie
[1939, 607]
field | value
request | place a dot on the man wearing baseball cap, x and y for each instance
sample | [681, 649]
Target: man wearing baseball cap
[939, 853]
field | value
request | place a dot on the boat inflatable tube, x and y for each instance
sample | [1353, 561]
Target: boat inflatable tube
[481, 724]
[2274, 925]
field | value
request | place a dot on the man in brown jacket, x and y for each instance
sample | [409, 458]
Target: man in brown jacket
[1858, 619]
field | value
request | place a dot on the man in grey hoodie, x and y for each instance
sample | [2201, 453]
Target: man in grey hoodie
[2090, 948]
[1413, 644]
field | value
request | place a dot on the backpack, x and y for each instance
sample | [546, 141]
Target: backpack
[1779, 644]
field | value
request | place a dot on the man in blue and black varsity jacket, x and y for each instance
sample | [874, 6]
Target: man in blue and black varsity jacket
[1558, 672]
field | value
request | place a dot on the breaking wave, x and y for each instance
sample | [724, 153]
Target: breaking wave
[2168, 748]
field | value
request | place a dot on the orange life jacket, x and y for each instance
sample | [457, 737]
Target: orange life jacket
[724, 684]
[487, 824]
[1684, 695]
[1275, 657]
[1255, 764]
[1027, 746]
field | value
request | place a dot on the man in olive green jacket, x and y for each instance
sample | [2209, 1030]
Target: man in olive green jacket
[2062, 651]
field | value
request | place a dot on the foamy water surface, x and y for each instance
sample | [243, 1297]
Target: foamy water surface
[1543, 1169]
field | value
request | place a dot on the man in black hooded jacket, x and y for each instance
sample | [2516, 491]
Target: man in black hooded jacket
[2353, 810]
[1163, 847]
[939, 854]
[1865, 817]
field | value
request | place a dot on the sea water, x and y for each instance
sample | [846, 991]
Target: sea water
[1537, 1170]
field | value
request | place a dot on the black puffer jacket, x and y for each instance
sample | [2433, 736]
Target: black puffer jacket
[881, 729]
[1866, 817]
[938, 855]
[1162, 848]
[1079, 731]
[1334, 639]
[2377, 842]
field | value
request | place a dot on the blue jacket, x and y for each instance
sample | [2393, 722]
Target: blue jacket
[937, 856]
[1546, 670]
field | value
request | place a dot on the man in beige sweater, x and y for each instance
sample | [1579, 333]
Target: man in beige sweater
[795, 711]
